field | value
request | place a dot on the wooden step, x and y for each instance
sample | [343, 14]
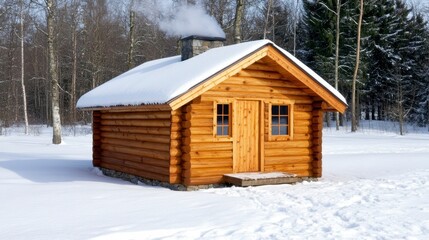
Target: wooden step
[261, 178]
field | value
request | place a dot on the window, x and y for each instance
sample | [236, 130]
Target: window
[280, 120]
[223, 120]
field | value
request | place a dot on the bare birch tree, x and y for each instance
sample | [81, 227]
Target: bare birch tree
[24, 95]
[354, 113]
[132, 16]
[267, 16]
[53, 71]
[74, 37]
[337, 55]
[237, 22]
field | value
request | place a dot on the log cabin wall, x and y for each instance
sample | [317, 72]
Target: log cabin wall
[206, 158]
[136, 142]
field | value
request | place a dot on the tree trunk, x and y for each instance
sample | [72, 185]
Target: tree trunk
[53, 73]
[295, 26]
[354, 120]
[24, 95]
[400, 107]
[267, 18]
[131, 37]
[237, 22]
[74, 76]
[337, 52]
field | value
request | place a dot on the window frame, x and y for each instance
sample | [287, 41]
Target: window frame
[289, 135]
[230, 120]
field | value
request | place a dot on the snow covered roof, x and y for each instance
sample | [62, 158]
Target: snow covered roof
[160, 81]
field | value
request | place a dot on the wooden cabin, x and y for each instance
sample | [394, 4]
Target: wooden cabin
[190, 119]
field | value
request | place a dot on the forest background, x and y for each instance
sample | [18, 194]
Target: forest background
[53, 51]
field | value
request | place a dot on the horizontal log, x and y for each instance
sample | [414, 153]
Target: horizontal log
[302, 123]
[213, 96]
[259, 74]
[288, 152]
[232, 88]
[137, 137]
[145, 130]
[281, 160]
[136, 172]
[297, 116]
[137, 159]
[212, 146]
[197, 139]
[199, 116]
[137, 123]
[165, 147]
[288, 144]
[302, 130]
[201, 112]
[202, 122]
[136, 115]
[207, 172]
[137, 151]
[194, 107]
[137, 166]
[287, 167]
[303, 108]
[203, 180]
[207, 164]
[301, 136]
[205, 155]
[198, 131]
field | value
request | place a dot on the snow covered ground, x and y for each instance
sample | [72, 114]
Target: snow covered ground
[375, 186]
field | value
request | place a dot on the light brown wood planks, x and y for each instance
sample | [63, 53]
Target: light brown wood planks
[139, 143]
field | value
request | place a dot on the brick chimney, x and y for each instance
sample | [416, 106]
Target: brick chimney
[193, 45]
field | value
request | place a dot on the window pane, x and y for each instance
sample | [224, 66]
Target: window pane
[219, 130]
[219, 120]
[226, 131]
[275, 130]
[274, 120]
[283, 110]
[283, 120]
[275, 110]
[225, 120]
[226, 109]
[219, 109]
[283, 130]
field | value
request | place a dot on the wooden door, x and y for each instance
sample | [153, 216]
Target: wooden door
[246, 147]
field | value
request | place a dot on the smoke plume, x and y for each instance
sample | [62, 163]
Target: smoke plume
[183, 20]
